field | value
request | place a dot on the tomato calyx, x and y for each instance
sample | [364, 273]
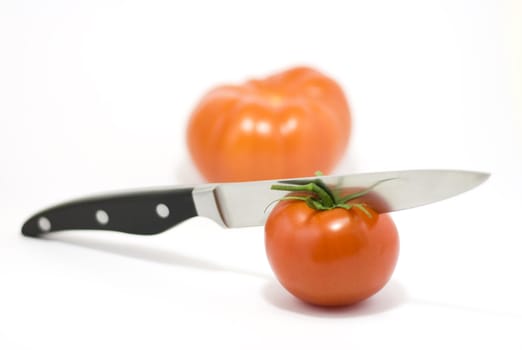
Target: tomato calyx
[319, 196]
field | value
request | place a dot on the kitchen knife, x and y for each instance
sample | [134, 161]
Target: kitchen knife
[240, 204]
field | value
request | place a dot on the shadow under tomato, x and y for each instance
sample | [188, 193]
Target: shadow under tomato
[391, 296]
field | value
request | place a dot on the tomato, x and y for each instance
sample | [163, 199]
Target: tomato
[333, 257]
[287, 125]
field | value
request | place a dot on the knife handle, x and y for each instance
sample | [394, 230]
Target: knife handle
[142, 213]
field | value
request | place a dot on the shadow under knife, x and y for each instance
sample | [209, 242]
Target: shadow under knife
[393, 295]
[160, 256]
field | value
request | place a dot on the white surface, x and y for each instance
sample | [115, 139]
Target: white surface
[94, 96]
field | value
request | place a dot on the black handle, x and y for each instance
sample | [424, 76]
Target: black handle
[142, 213]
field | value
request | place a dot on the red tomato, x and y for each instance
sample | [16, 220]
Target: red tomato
[288, 125]
[330, 257]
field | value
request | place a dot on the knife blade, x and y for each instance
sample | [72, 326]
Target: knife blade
[239, 204]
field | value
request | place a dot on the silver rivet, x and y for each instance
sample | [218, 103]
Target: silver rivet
[44, 224]
[162, 210]
[102, 217]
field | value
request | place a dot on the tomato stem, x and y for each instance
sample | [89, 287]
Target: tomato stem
[363, 192]
[322, 197]
[325, 197]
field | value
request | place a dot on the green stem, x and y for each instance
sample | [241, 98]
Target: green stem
[363, 192]
[363, 209]
[324, 197]
[327, 189]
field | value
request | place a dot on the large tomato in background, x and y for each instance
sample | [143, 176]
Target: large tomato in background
[330, 254]
[288, 125]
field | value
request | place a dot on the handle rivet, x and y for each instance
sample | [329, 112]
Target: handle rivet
[162, 210]
[44, 224]
[102, 217]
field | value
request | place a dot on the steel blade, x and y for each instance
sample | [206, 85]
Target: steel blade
[245, 203]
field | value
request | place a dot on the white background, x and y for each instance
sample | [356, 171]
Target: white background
[95, 95]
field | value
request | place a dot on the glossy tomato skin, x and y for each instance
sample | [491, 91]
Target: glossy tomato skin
[288, 125]
[333, 257]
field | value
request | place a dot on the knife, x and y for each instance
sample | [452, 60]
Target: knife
[239, 204]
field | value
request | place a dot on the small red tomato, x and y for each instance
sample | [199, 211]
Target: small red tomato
[331, 257]
[270, 128]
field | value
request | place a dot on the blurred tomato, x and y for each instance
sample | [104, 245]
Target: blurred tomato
[288, 125]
